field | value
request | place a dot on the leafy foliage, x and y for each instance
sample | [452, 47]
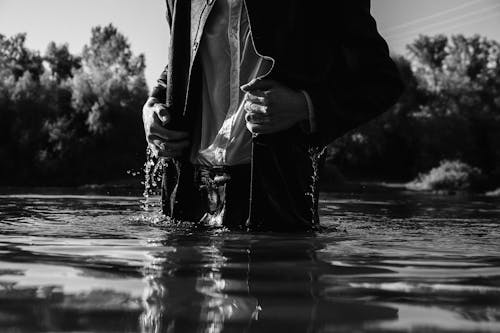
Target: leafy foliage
[60, 61]
[450, 111]
[17, 59]
[67, 119]
[448, 176]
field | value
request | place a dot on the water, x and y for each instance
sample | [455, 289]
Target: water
[385, 262]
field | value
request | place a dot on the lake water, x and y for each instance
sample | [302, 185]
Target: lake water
[386, 261]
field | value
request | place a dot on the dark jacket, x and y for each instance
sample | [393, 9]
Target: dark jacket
[331, 49]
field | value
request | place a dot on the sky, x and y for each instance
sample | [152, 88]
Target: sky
[144, 24]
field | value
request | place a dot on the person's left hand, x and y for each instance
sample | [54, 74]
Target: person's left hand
[272, 107]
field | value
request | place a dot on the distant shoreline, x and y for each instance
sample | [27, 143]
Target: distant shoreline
[133, 187]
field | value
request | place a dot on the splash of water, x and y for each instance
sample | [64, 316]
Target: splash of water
[152, 179]
[315, 155]
[151, 203]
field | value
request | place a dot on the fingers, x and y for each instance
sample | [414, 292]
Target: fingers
[255, 108]
[163, 148]
[256, 102]
[162, 112]
[257, 118]
[259, 122]
[165, 142]
[153, 105]
[166, 134]
[258, 97]
[162, 141]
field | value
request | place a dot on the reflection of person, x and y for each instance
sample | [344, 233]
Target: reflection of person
[218, 284]
[249, 157]
[182, 296]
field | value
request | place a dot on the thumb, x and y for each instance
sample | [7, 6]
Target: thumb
[163, 113]
[258, 84]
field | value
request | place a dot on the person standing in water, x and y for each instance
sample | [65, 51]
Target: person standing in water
[252, 93]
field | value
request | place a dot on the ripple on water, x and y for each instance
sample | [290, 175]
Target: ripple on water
[396, 263]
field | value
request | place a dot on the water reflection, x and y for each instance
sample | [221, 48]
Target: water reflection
[383, 263]
[245, 283]
[188, 290]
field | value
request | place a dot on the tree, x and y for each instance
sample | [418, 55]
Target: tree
[111, 80]
[16, 58]
[67, 119]
[450, 110]
[108, 91]
[60, 61]
[428, 55]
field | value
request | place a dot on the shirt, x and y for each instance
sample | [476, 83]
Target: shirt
[228, 60]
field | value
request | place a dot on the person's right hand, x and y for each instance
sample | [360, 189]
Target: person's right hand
[162, 142]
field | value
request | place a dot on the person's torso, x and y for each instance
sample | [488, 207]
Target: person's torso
[300, 37]
[227, 60]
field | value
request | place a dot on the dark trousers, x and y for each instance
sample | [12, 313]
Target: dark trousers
[224, 194]
[278, 193]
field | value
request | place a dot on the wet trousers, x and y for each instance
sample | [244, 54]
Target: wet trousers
[279, 192]
[224, 194]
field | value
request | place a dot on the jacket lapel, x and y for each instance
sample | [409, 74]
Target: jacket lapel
[189, 18]
[199, 15]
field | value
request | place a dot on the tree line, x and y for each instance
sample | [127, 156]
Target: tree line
[450, 111]
[70, 119]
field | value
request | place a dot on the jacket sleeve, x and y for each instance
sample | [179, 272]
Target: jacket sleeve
[363, 81]
[160, 89]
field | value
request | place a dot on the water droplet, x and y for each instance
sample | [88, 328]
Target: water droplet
[153, 168]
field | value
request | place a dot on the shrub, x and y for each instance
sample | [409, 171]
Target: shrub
[449, 176]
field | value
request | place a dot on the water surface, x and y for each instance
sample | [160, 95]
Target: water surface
[384, 262]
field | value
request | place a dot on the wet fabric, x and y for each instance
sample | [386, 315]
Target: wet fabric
[224, 195]
[285, 183]
[288, 200]
[284, 196]
[331, 50]
[228, 60]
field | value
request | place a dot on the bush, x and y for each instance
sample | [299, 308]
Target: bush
[449, 176]
[495, 193]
